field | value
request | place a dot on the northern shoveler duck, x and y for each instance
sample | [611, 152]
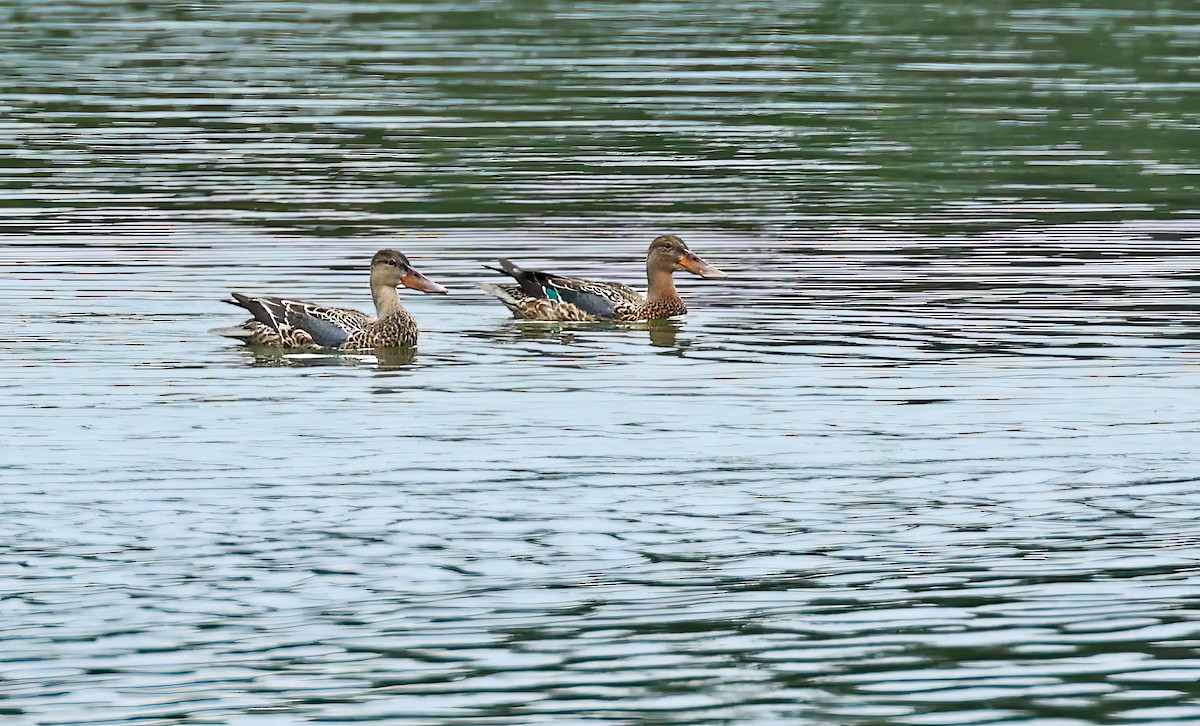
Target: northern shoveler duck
[283, 323]
[546, 296]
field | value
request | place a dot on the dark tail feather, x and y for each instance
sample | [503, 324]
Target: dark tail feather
[258, 308]
[527, 280]
[506, 268]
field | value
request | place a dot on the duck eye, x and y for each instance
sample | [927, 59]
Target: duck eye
[390, 262]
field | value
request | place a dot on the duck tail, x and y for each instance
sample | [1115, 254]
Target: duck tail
[267, 311]
[525, 278]
[238, 332]
[501, 294]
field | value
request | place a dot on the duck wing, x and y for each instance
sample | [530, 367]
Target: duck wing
[329, 327]
[323, 332]
[601, 299]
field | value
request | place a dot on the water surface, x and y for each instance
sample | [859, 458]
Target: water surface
[926, 457]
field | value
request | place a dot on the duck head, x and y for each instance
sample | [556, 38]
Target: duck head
[668, 252]
[391, 268]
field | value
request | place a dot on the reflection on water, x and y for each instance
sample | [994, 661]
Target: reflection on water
[383, 359]
[662, 333]
[927, 456]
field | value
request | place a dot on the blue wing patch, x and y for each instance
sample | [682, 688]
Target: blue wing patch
[323, 332]
[588, 302]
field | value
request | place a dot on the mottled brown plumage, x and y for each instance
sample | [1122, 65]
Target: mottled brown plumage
[546, 296]
[285, 323]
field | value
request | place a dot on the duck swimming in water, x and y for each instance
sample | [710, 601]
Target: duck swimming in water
[285, 323]
[546, 296]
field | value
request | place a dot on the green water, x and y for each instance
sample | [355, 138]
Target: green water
[354, 118]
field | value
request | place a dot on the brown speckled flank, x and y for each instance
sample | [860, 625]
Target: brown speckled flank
[283, 323]
[546, 296]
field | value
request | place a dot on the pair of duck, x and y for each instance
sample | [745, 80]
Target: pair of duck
[284, 323]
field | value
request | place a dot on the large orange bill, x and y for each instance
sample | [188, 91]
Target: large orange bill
[694, 264]
[417, 281]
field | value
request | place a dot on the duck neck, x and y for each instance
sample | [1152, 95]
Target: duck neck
[661, 285]
[387, 299]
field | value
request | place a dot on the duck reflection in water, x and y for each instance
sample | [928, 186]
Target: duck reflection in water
[384, 359]
[663, 332]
